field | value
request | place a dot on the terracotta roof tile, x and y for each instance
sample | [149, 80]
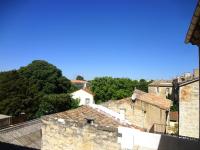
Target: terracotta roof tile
[100, 118]
[153, 99]
[146, 97]
[161, 83]
[78, 81]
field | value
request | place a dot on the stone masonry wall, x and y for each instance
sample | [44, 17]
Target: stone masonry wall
[135, 114]
[74, 137]
[161, 91]
[189, 110]
[127, 106]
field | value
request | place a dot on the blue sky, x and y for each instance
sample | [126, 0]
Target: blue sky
[119, 38]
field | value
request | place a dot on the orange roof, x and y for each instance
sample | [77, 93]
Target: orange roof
[153, 99]
[78, 81]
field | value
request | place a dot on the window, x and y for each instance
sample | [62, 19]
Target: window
[87, 101]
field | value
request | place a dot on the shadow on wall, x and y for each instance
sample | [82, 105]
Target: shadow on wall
[7, 146]
[168, 142]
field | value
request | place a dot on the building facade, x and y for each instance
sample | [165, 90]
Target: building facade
[161, 88]
[88, 127]
[84, 96]
[145, 110]
[193, 37]
[189, 108]
[94, 127]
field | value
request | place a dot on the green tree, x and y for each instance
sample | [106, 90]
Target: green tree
[143, 85]
[79, 77]
[107, 88]
[23, 90]
[56, 102]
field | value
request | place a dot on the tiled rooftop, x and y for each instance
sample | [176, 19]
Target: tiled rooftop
[99, 115]
[150, 98]
[78, 81]
[161, 83]
[153, 99]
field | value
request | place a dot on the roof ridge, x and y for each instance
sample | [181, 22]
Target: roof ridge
[153, 99]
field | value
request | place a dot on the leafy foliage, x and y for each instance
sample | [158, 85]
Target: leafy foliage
[79, 77]
[175, 105]
[54, 103]
[106, 88]
[24, 90]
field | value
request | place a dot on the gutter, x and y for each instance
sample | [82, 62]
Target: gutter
[193, 24]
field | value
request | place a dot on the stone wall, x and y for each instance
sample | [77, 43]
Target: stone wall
[72, 136]
[160, 91]
[189, 110]
[147, 115]
[140, 113]
[126, 105]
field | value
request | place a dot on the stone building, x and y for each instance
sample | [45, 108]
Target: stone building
[88, 127]
[189, 108]
[161, 87]
[145, 110]
[193, 37]
[94, 127]
[85, 96]
[173, 126]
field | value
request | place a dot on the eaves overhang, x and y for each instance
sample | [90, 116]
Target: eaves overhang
[193, 34]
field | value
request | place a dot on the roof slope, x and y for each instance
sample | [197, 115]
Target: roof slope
[194, 25]
[121, 101]
[78, 81]
[153, 99]
[26, 134]
[100, 115]
[165, 83]
[183, 83]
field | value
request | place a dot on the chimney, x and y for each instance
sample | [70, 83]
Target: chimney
[89, 120]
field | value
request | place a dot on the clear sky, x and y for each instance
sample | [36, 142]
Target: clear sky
[119, 38]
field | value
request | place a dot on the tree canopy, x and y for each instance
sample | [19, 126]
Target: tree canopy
[79, 77]
[27, 89]
[107, 88]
